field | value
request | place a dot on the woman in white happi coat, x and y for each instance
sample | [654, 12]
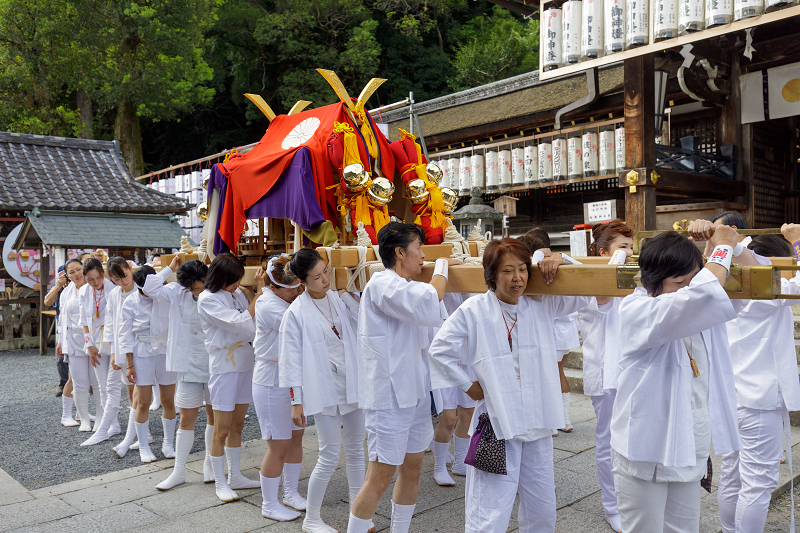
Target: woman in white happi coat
[272, 402]
[507, 340]
[71, 339]
[188, 357]
[318, 361]
[52, 298]
[93, 297]
[599, 324]
[395, 315]
[226, 315]
[767, 388]
[675, 389]
[145, 327]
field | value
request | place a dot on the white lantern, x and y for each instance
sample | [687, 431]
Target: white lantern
[559, 151]
[575, 150]
[774, 5]
[452, 165]
[464, 176]
[591, 166]
[492, 172]
[614, 22]
[478, 171]
[531, 165]
[607, 155]
[545, 163]
[504, 166]
[691, 16]
[518, 166]
[552, 38]
[745, 9]
[665, 20]
[592, 29]
[571, 29]
[619, 144]
[637, 19]
[718, 12]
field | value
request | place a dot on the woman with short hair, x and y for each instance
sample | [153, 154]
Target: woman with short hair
[507, 340]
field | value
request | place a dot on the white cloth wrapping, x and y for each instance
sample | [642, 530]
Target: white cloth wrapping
[304, 353]
[763, 352]
[565, 331]
[270, 309]
[476, 335]
[112, 331]
[186, 348]
[70, 333]
[229, 331]
[145, 326]
[652, 419]
[92, 301]
[392, 328]
[601, 338]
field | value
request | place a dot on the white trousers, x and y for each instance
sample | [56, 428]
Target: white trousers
[113, 388]
[490, 497]
[671, 507]
[603, 405]
[748, 477]
[334, 433]
[82, 374]
[101, 373]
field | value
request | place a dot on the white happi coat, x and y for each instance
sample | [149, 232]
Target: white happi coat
[270, 309]
[652, 419]
[565, 331]
[303, 361]
[228, 331]
[393, 323]
[70, 331]
[89, 308]
[763, 352]
[145, 326]
[476, 336]
[601, 338]
[112, 329]
[186, 350]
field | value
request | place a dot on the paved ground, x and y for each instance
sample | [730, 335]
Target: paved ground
[48, 483]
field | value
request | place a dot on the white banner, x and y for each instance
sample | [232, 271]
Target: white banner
[781, 98]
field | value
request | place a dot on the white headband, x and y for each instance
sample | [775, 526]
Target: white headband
[269, 273]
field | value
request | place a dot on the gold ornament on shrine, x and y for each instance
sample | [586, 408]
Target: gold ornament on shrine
[380, 193]
[417, 192]
[202, 211]
[205, 181]
[450, 198]
[356, 179]
[434, 173]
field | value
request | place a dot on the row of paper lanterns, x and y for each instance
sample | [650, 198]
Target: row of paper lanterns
[556, 159]
[581, 30]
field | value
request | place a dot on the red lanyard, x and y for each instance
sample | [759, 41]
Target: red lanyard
[510, 345]
[97, 302]
[333, 326]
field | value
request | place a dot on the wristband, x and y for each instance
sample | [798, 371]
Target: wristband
[738, 249]
[538, 255]
[465, 386]
[441, 268]
[87, 339]
[722, 255]
[618, 258]
[296, 395]
[796, 248]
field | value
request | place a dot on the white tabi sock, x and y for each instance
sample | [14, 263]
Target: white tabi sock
[401, 517]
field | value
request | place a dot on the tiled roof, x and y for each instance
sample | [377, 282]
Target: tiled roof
[75, 175]
[105, 230]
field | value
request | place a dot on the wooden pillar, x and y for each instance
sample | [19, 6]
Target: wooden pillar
[733, 132]
[44, 279]
[640, 155]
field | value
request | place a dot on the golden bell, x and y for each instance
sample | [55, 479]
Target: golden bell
[434, 173]
[202, 210]
[450, 198]
[380, 193]
[417, 192]
[205, 181]
[355, 177]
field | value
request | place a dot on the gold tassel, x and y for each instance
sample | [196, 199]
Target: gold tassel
[366, 131]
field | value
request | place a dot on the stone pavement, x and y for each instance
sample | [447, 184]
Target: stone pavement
[127, 499]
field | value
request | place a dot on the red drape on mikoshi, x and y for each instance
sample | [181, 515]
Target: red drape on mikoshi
[252, 175]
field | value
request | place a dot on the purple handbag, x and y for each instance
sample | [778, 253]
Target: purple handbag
[486, 452]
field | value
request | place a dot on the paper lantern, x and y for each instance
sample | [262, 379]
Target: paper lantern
[492, 172]
[478, 171]
[691, 16]
[665, 20]
[575, 156]
[614, 22]
[637, 19]
[774, 5]
[453, 168]
[591, 166]
[545, 162]
[571, 30]
[518, 166]
[464, 176]
[619, 147]
[531, 165]
[607, 155]
[745, 9]
[504, 166]
[560, 161]
[592, 29]
[552, 38]
[718, 12]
